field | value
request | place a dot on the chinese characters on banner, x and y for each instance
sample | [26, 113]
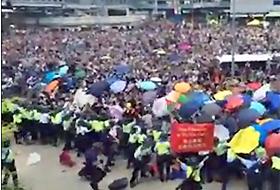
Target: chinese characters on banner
[189, 137]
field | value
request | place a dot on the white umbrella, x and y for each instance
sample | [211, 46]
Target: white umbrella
[221, 132]
[160, 107]
[261, 92]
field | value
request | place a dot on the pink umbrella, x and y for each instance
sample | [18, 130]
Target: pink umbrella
[184, 46]
[116, 112]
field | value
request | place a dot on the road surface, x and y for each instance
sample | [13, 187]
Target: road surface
[48, 174]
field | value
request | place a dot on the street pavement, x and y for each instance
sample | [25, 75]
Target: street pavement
[48, 174]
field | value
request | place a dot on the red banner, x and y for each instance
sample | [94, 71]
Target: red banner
[189, 137]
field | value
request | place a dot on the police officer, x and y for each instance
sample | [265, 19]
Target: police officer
[162, 149]
[132, 146]
[8, 164]
[142, 157]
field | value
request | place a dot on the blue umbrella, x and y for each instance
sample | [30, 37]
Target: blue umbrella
[199, 97]
[50, 76]
[262, 132]
[247, 100]
[246, 117]
[271, 125]
[174, 58]
[147, 85]
[188, 109]
[98, 88]
[258, 107]
[118, 86]
[63, 70]
[122, 69]
[273, 98]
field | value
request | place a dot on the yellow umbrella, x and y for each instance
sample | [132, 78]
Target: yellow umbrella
[245, 141]
[182, 87]
[254, 22]
[221, 95]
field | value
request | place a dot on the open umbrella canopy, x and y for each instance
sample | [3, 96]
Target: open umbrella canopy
[174, 58]
[258, 107]
[118, 86]
[247, 99]
[221, 132]
[272, 144]
[149, 97]
[50, 76]
[273, 98]
[263, 133]
[63, 70]
[271, 125]
[188, 109]
[234, 102]
[160, 107]
[147, 85]
[261, 92]
[221, 95]
[245, 140]
[254, 85]
[182, 87]
[246, 117]
[183, 99]
[122, 69]
[98, 88]
[199, 97]
[212, 109]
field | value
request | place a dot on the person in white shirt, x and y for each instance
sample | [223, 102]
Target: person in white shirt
[44, 126]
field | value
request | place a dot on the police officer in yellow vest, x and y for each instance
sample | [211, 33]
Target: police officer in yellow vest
[162, 149]
[126, 129]
[57, 127]
[17, 120]
[132, 146]
[275, 172]
[8, 164]
[192, 169]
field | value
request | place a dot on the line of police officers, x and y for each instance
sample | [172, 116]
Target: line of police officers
[137, 142]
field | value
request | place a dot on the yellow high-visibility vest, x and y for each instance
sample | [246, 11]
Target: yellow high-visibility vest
[193, 174]
[275, 163]
[162, 148]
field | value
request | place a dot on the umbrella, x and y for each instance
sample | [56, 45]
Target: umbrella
[247, 116]
[63, 70]
[173, 96]
[271, 125]
[116, 112]
[155, 79]
[204, 118]
[147, 85]
[221, 95]
[221, 132]
[247, 100]
[263, 133]
[50, 76]
[98, 88]
[184, 46]
[272, 144]
[174, 58]
[274, 100]
[233, 102]
[149, 97]
[122, 69]
[258, 107]
[188, 109]
[199, 97]
[261, 92]
[212, 109]
[183, 99]
[160, 107]
[118, 86]
[245, 140]
[81, 98]
[254, 22]
[111, 79]
[182, 87]
[231, 124]
[254, 85]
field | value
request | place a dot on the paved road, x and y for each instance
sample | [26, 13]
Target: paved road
[48, 174]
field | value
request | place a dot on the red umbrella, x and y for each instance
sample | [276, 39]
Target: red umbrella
[272, 144]
[233, 102]
[254, 85]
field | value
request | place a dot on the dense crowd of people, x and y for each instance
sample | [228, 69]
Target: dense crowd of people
[123, 122]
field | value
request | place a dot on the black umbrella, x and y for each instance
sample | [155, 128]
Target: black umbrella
[98, 88]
